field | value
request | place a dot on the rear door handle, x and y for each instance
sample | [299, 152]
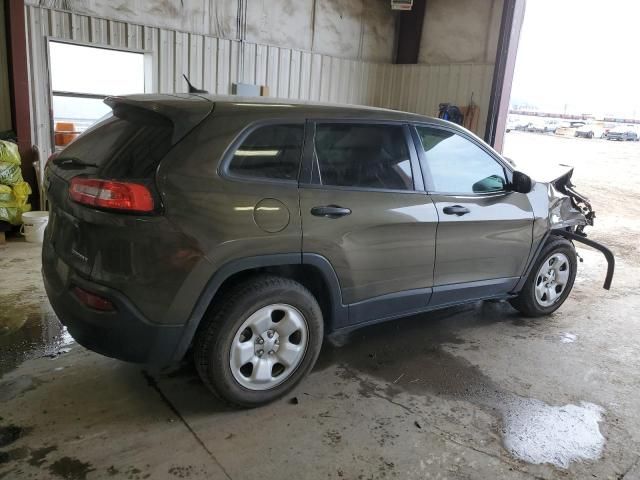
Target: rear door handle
[458, 210]
[330, 211]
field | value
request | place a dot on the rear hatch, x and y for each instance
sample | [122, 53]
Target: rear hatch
[125, 147]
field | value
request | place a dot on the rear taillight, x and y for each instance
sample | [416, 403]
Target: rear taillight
[92, 300]
[132, 197]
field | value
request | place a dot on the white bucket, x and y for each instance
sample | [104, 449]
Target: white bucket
[33, 225]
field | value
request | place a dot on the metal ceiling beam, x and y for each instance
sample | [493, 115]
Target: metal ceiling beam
[409, 33]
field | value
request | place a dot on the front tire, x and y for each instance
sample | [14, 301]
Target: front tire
[550, 280]
[260, 341]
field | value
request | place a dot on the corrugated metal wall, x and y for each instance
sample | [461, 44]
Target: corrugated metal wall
[420, 88]
[216, 64]
[5, 105]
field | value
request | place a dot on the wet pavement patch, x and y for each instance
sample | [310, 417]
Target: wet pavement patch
[539, 433]
[10, 434]
[13, 455]
[39, 455]
[567, 337]
[416, 362]
[28, 329]
[17, 386]
[181, 471]
[70, 468]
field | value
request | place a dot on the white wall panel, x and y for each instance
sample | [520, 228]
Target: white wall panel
[210, 67]
[284, 64]
[316, 77]
[215, 64]
[420, 88]
[234, 65]
[261, 65]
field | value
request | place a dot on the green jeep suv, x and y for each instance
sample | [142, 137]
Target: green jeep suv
[246, 231]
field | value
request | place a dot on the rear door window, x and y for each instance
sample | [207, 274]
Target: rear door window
[270, 152]
[373, 156]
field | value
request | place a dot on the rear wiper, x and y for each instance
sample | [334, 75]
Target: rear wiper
[72, 162]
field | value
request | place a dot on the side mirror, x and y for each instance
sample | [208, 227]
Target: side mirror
[521, 182]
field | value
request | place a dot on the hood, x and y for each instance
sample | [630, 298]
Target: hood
[547, 173]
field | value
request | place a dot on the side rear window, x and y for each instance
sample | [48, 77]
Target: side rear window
[272, 152]
[363, 156]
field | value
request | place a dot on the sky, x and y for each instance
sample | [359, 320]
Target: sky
[580, 56]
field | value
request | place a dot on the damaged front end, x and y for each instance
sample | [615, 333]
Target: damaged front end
[571, 209]
[569, 213]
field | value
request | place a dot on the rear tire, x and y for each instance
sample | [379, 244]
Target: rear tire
[550, 280]
[260, 341]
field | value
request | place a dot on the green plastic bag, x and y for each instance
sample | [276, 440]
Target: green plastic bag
[10, 173]
[15, 196]
[6, 194]
[13, 215]
[21, 191]
[13, 190]
[9, 152]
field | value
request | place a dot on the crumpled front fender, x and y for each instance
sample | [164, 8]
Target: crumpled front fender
[559, 209]
[562, 212]
[558, 205]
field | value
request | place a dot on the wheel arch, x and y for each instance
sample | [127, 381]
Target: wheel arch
[535, 254]
[313, 271]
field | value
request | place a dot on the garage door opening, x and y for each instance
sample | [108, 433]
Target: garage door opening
[81, 77]
[576, 79]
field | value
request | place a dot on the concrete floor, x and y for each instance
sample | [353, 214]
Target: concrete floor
[468, 392]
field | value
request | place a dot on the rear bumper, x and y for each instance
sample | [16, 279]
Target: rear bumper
[123, 334]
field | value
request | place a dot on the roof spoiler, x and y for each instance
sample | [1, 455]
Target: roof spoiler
[185, 112]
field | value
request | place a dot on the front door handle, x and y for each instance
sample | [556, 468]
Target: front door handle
[330, 211]
[458, 210]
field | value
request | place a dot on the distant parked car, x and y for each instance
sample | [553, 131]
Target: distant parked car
[569, 128]
[540, 125]
[623, 133]
[590, 130]
[518, 124]
[553, 125]
[512, 124]
[509, 126]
